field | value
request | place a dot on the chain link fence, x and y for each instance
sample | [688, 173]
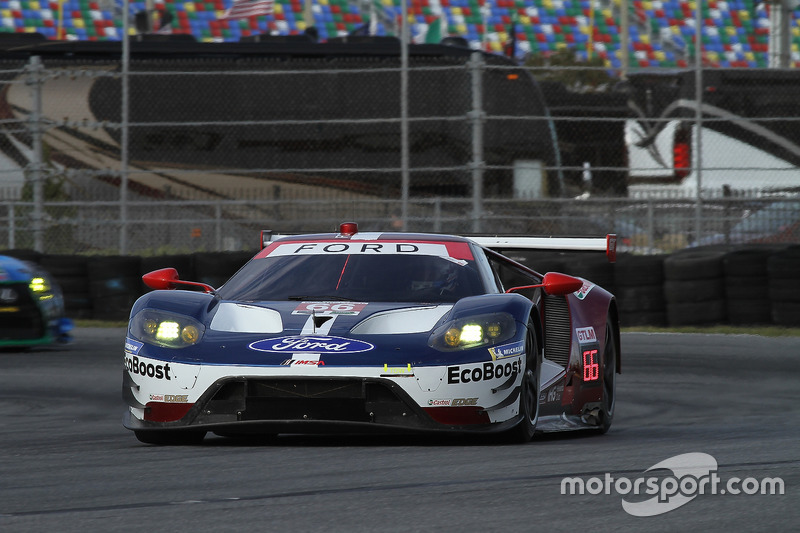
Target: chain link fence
[218, 147]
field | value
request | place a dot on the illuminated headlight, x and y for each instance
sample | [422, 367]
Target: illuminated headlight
[473, 332]
[166, 329]
[39, 285]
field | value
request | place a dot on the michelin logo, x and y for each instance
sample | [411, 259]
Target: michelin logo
[132, 346]
[507, 350]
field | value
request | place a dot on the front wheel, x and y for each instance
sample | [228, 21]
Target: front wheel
[529, 392]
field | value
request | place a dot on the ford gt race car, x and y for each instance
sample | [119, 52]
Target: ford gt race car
[31, 306]
[374, 332]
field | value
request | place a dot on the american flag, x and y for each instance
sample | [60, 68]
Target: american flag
[248, 8]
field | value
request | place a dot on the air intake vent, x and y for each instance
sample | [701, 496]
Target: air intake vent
[557, 325]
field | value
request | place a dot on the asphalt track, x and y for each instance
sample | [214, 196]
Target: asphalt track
[66, 463]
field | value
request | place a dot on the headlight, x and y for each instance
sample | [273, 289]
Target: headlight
[166, 329]
[473, 332]
[39, 284]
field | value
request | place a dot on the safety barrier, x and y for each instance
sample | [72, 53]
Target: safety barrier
[742, 285]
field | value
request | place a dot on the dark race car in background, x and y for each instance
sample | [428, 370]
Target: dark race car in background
[374, 332]
[31, 306]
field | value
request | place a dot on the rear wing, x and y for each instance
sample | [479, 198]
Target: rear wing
[607, 244]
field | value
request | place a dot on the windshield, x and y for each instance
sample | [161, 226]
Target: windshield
[357, 277]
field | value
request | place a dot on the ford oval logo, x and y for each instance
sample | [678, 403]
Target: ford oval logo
[311, 344]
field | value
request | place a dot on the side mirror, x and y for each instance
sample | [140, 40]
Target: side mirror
[167, 279]
[161, 280]
[558, 284]
[555, 284]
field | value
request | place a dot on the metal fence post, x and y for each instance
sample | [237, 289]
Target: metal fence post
[218, 226]
[35, 80]
[12, 243]
[476, 116]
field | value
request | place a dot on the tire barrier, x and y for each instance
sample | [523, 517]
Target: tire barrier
[694, 289]
[115, 282]
[640, 290]
[745, 285]
[214, 268]
[72, 274]
[783, 272]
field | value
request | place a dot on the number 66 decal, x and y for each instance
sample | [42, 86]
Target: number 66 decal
[591, 367]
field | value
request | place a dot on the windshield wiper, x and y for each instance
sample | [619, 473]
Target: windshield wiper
[322, 298]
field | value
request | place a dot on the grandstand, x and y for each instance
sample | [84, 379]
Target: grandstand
[735, 33]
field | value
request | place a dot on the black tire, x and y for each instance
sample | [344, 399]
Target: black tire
[697, 313]
[749, 312]
[636, 270]
[641, 298]
[609, 401]
[694, 265]
[746, 262]
[643, 318]
[529, 391]
[786, 314]
[784, 264]
[687, 291]
[65, 266]
[784, 291]
[744, 288]
[170, 438]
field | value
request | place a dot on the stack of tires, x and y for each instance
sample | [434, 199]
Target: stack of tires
[71, 274]
[114, 284]
[746, 285]
[783, 269]
[214, 268]
[640, 290]
[694, 288]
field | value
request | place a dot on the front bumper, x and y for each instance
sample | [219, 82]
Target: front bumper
[257, 405]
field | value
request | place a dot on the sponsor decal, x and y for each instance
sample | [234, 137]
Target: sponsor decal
[584, 290]
[365, 248]
[507, 350]
[311, 344]
[176, 398]
[303, 362]
[439, 403]
[484, 372]
[132, 346]
[461, 402]
[455, 402]
[329, 308]
[3, 275]
[136, 366]
[586, 335]
[311, 359]
[169, 398]
[554, 394]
